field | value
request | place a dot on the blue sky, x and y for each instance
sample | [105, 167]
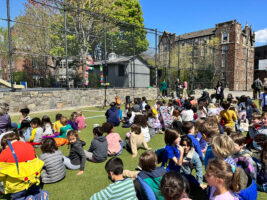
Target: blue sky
[183, 16]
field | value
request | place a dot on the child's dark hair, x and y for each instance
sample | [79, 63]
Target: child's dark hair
[170, 136]
[72, 133]
[36, 120]
[186, 139]
[9, 136]
[147, 107]
[226, 105]
[73, 115]
[136, 129]
[172, 185]
[140, 120]
[144, 99]
[114, 165]
[129, 114]
[187, 126]
[25, 124]
[148, 161]
[107, 127]
[98, 131]
[238, 138]
[58, 116]
[177, 125]
[46, 120]
[25, 111]
[221, 169]
[187, 105]
[64, 120]
[49, 145]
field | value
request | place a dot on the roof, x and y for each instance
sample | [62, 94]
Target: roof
[122, 59]
[209, 31]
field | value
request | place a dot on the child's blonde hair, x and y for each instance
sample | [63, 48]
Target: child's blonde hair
[223, 170]
[223, 146]
[79, 113]
[199, 123]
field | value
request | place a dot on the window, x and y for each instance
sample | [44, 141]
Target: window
[224, 49]
[205, 40]
[121, 70]
[225, 37]
[196, 52]
[165, 47]
[196, 41]
[183, 43]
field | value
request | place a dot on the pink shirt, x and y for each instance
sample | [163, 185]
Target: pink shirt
[80, 122]
[114, 143]
[227, 195]
[185, 84]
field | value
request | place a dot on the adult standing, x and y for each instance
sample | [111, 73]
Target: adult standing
[163, 88]
[178, 87]
[185, 90]
[219, 92]
[257, 85]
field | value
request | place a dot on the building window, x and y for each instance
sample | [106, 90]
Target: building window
[165, 47]
[196, 52]
[224, 49]
[182, 43]
[196, 41]
[121, 70]
[225, 37]
[205, 40]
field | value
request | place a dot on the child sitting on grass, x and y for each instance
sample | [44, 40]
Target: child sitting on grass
[25, 115]
[57, 125]
[72, 121]
[121, 188]
[47, 126]
[136, 140]
[54, 169]
[80, 120]
[115, 143]
[191, 159]
[173, 152]
[224, 180]
[37, 131]
[228, 117]
[98, 151]
[189, 129]
[65, 127]
[76, 158]
[242, 156]
[256, 123]
[173, 186]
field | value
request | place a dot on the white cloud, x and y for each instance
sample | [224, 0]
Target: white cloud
[261, 36]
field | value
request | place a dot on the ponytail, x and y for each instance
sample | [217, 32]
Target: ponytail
[235, 184]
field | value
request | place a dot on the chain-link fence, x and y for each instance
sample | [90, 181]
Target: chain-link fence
[75, 44]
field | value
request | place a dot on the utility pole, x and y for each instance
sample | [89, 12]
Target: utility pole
[66, 48]
[156, 54]
[10, 47]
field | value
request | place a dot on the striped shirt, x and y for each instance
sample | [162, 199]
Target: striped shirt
[120, 190]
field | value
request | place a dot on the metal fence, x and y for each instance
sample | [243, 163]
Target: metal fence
[70, 45]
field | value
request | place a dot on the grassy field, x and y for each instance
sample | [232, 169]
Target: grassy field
[94, 177]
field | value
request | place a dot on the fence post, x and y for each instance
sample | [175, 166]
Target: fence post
[106, 67]
[133, 45]
[10, 47]
[247, 71]
[179, 58]
[169, 65]
[156, 54]
[66, 48]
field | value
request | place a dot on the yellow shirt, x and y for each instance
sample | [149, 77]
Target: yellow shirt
[229, 116]
[56, 126]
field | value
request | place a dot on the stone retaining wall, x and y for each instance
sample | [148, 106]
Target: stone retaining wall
[62, 99]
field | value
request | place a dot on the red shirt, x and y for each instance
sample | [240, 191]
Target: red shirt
[24, 152]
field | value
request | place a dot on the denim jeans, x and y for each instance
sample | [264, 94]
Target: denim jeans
[68, 164]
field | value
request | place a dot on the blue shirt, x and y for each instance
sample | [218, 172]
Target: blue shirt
[202, 142]
[208, 156]
[169, 153]
[196, 145]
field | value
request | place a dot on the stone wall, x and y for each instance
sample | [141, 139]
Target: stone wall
[62, 99]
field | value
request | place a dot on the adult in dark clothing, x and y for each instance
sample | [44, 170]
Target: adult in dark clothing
[112, 115]
[178, 87]
[257, 85]
[204, 97]
[219, 92]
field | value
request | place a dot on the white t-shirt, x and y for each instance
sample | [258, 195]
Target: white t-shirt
[146, 133]
[261, 98]
[187, 115]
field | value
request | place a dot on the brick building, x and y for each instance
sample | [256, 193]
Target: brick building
[231, 46]
[260, 66]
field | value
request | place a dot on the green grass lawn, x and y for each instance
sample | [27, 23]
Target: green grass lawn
[94, 177]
